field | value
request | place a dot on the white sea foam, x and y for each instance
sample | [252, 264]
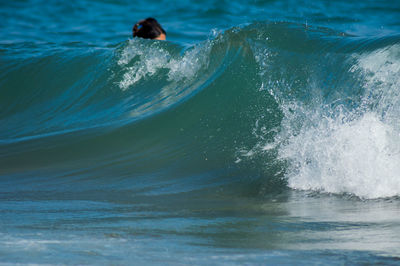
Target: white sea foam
[381, 71]
[359, 156]
[152, 58]
[341, 150]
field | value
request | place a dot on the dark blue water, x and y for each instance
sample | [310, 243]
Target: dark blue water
[260, 132]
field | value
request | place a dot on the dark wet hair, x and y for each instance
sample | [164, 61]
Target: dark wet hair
[148, 28]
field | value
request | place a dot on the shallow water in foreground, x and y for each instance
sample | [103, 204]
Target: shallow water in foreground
[262, 132]
[292, 228]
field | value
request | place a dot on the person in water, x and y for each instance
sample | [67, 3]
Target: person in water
[149, 28]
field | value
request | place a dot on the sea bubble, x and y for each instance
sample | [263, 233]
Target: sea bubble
[359, 157]
[350, 151]
[142, 60]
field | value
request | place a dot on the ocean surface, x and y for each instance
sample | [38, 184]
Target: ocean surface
[260, 132]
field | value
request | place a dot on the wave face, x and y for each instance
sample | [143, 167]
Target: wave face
[276, 103]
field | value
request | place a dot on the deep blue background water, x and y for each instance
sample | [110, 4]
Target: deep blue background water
[110, 22]
[261, 132]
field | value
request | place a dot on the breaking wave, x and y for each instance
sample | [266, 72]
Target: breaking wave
[286, 104]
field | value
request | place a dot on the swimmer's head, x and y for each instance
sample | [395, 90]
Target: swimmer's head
[149, 28]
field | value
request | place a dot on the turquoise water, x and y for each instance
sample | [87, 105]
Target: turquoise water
[261, 132]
